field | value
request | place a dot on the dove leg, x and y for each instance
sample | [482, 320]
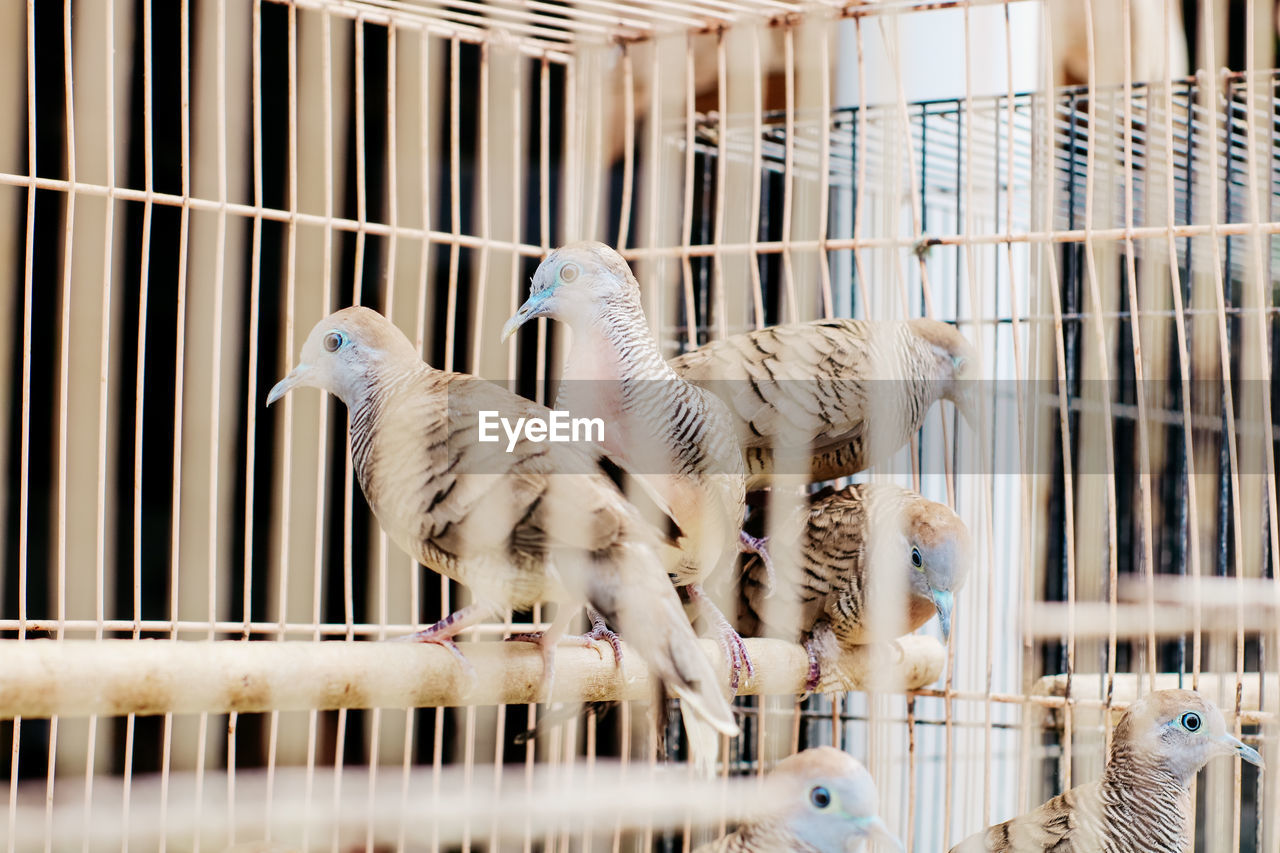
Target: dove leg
[443, 632]
[735, 651]
[815, 670]
[749, 544]
[547, 641]
[599, 631]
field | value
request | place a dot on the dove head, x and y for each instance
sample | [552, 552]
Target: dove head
[574, 283]
[832, 801]
[346, 353]
[1179, 731]
[937, 552]
[956, 364]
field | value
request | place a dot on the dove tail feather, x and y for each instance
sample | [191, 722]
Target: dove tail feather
[644, 607]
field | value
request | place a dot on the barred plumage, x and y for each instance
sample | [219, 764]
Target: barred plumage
[538, 523]
[827, 804]
[842, 394]
[676, 439]
[875, 561]
[1142, 803]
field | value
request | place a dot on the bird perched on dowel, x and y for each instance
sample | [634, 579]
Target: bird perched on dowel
[840, 395]
[518, 523]
[678, 440]
[1143, 800]
[830, 806]
[875, 561]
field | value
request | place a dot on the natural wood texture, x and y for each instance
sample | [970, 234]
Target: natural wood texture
[42, 678]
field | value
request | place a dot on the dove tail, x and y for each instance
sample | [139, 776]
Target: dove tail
[646, 611]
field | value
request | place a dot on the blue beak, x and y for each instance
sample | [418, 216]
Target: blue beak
[945, 602]
[534, 306]
[1243, 751]
[874, 828]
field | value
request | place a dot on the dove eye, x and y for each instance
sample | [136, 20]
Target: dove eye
[334, 341]
[1191, 721]
[916, 559]
[820, 797]
[569, 273]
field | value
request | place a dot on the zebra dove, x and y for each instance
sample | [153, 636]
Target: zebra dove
[843, 394]
[831, 808]
[875, 561]
[1142, 803]
[518, 522]
[677, 440]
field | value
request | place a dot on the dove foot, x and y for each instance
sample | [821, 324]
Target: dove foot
[547, 641]
[731, 644]
[759, 546]
[599, 631]
[815, 669]
[443, 632]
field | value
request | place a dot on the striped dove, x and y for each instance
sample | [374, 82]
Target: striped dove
[676, 439]
[1143, 802]
[844, 393]
[539, 522]
[830, 806]
[862, 548]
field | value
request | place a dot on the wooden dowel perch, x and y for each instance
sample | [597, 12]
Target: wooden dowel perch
[74, 678]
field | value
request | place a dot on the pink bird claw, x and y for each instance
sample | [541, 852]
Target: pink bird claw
[735, 652]
[759, 546]
[601, 631]
[433, 636]
[815, 669]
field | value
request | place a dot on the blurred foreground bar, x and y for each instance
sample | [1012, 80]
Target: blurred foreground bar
[1220, 688]
[74, 678]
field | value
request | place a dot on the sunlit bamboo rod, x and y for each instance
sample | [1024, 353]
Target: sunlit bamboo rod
[1136, 621]
[72, 678]
[1144, 232]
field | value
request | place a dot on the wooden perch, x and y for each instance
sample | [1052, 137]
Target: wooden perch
[76, 678]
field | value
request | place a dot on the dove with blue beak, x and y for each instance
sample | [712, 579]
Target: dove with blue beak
[827, 804]
[1143, 801]
[676, 440]
[875, 561]
[520, 525]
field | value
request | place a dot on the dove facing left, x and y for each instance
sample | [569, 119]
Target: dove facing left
[677, 440]
[540, 522]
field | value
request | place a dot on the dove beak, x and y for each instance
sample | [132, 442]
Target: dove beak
[965, 399]
[296, 377]
[534, 306]
[1242, 750]
[874, 827]
[945, 601]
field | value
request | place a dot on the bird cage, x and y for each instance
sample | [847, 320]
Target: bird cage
[197, 596]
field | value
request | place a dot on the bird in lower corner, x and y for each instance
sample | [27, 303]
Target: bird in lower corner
[1143, 800]
[875, 561]
[830, 805]
[518, 523]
